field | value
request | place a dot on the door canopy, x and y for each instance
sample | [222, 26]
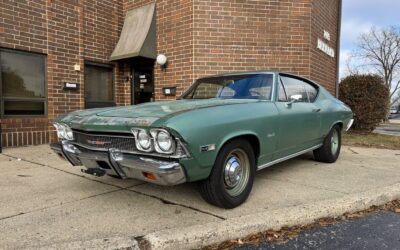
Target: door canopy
[138, 36]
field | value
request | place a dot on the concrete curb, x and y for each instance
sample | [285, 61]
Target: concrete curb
[96, 244]
[203, 235]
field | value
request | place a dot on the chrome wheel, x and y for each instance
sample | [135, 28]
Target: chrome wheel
[236, 172]
[334, 142]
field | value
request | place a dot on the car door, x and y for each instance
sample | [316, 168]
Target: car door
[299, 117]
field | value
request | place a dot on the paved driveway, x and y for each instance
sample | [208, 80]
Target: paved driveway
[44, 200]
[376, 231]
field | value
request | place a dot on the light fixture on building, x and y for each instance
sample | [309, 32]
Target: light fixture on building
[169, 91]
[77, 67]
[162, 60]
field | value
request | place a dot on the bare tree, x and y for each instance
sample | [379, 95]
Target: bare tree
[379, 52]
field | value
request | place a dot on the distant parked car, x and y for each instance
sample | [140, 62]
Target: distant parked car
[394, 110]
[220, 132]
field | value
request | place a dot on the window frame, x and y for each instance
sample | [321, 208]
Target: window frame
[306, 81]
[101, 65]
[41, 100]
[193, 86]
[281, 86]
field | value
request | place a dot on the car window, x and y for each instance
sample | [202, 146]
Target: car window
[311, 91]
[207, 90]
[282, 93]
[261, 86]
[247, 86]
[294, 87]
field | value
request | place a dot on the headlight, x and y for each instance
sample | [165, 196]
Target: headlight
[64, 132]
[143, 140]
[164, 143]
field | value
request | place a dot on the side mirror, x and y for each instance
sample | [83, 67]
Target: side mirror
[293, 99]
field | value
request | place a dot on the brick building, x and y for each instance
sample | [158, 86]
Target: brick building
[59, 56]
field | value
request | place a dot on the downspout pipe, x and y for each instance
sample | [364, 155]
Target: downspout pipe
[340, 6]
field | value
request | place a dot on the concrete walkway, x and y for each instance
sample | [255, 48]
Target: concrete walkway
[46, 202]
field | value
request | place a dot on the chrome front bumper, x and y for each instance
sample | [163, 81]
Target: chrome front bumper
[123, 165]
[351, 121]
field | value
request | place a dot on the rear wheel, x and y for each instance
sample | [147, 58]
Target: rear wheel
[330, 150]
[231, 179]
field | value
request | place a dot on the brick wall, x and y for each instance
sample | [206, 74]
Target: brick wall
[24, 26]
[204, 37]
[68, 32]
[252, 35]
[325, 16]
[199, 37]
[174, 39]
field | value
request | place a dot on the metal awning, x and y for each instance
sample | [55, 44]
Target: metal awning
[138, 36]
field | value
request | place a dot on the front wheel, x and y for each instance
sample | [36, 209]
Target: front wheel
[231, 179]
[330, 150]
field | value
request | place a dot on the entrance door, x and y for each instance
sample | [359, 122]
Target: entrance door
[142, 81]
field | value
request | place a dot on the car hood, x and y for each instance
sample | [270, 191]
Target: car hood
[138, 115]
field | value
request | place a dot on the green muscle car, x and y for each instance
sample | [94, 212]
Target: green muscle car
[218, 133]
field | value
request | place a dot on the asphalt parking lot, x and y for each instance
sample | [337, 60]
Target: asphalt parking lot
[379, 230]
[45, 202]
[391, 128]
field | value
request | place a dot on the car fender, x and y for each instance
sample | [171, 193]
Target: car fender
[237, 134]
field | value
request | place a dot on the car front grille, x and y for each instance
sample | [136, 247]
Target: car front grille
[123, 143]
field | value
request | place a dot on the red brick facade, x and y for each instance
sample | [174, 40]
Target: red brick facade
[199, 37]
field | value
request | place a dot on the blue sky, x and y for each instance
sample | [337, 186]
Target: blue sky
[359, 16]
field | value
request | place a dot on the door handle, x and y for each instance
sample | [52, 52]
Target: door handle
[316, 110]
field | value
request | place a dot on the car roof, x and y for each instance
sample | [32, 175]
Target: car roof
[241, 73]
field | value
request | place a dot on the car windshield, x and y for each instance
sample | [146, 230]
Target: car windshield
[256, 86]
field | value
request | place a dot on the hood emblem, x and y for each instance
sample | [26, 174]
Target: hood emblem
[98, 143]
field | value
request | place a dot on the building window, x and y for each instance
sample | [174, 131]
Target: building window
[99, 85]
[22, 83]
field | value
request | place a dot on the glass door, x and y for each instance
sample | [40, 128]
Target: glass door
[142, 81]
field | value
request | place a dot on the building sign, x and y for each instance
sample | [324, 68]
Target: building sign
[324, 47]
[70, 86]
[327, 35]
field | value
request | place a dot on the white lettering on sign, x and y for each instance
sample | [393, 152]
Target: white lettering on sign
[327, 35]
[143, 80]
[70, 85]
[325, 48]
[142, 76]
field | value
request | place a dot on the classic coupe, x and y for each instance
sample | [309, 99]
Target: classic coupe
[218, 133]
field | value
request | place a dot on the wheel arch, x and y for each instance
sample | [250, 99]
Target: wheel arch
[252, 138]
[340, 123]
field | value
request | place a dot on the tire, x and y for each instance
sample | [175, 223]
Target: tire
[330, 150]
[229, 191]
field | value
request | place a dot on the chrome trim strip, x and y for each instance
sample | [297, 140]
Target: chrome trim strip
[349, 124]
[287, 157]
[133, 152]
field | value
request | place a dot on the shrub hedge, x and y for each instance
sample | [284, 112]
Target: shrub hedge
[368, 97]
